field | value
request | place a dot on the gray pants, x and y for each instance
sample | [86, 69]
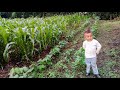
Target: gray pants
[91, 62]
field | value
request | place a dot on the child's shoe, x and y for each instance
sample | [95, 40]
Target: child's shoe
[97, 76]
[87, 74]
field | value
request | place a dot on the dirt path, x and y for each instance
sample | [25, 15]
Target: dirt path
[109, 34]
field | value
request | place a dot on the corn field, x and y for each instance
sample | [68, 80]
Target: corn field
[21, 39]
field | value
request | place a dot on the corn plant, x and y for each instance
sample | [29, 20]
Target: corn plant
[33, 35]
[36, 68]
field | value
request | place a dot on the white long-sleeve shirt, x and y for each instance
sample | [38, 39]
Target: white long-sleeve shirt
[91, 48]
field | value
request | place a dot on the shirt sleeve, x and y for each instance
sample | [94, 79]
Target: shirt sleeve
[84, 45]
[99, 46]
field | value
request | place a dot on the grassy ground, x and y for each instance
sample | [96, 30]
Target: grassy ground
[108, 59]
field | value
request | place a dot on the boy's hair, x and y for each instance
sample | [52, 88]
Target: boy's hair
[88, 30]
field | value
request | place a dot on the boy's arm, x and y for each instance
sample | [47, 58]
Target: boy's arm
[83, 45]
[98, 47]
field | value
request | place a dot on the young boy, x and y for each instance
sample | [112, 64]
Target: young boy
[92, 48]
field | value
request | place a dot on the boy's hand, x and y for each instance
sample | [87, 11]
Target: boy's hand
[97, 52]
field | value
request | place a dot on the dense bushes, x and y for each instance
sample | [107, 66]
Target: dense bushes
[29, 14]
[102, 15]
[106, 15]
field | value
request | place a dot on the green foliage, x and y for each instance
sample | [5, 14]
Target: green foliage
[62, 43]
[114, 53]
[36, 69]
[105, 15]
[60, 65]
[55, 50]
[33, 35]
[69, 74]
[68, 55]
[79, 57]
[109, 69]
[18, 72]
[94, 27]
[47, 32]
[52, 74]
[7, 51]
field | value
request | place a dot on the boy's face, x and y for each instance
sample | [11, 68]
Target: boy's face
[88, 36]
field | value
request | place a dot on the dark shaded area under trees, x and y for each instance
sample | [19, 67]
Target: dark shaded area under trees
[102, 15]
